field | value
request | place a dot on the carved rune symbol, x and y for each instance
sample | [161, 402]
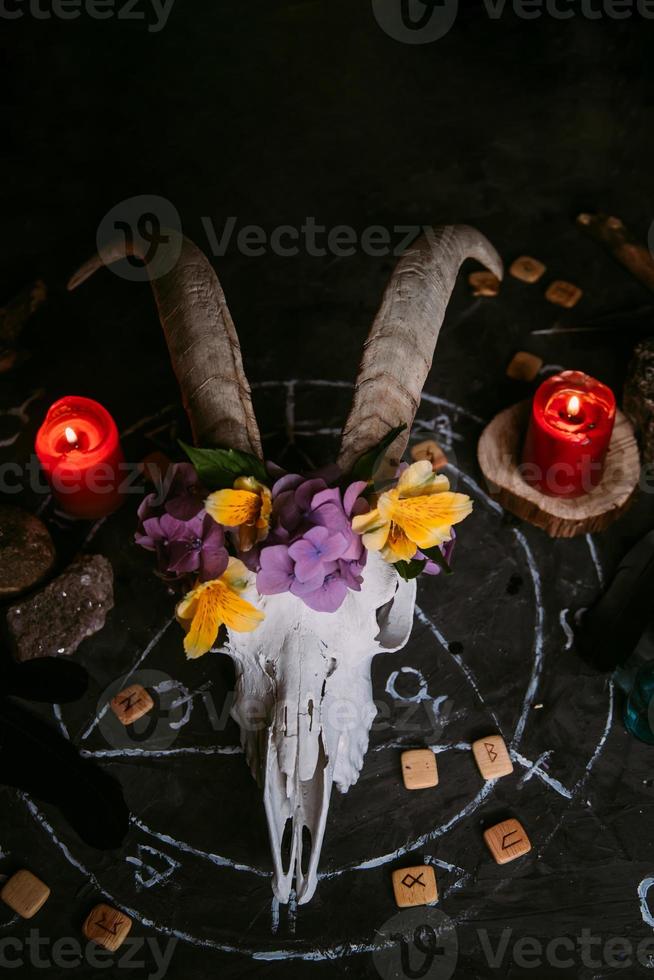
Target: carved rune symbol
[111, 929]
[130, 700]
[409, 881]
[506, 843]
[490, 748]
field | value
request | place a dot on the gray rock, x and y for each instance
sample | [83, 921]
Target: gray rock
[56, 620]
[639, 396]
[26, 551]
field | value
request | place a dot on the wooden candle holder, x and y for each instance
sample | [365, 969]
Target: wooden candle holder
[499, 451]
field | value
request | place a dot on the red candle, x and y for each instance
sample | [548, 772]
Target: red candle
[79, 450]
[572, 419]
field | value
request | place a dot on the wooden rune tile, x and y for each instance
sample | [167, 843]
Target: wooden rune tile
[415, 886]
[419, 769]
[25, 894]
[107, 927]
[492, 757]
[507, 841]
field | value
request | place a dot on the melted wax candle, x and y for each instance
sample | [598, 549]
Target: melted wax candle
[570, 429]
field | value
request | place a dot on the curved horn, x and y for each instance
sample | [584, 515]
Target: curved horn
[400, 346]
[201, 338]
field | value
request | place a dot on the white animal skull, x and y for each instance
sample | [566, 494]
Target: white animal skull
[304, 705]
[304, 694]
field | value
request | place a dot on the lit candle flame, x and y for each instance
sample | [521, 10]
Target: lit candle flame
[71, 436]
[573, 406]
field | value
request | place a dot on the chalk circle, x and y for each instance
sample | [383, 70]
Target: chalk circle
[404, 920]
[422, 694]
[419, 942]
[160, 727]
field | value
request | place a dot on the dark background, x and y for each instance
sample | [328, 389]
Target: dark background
[272, 112]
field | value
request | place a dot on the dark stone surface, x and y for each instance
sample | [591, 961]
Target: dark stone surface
[639, 396]
[272, 111]
[69, 609]
[26, 551]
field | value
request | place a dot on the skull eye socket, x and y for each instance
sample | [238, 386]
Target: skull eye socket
[383, 615]
[395, 617]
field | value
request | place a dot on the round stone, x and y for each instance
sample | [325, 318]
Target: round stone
[26, 551]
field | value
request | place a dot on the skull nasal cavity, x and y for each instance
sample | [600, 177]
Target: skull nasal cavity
[307, 844]
[285, 849]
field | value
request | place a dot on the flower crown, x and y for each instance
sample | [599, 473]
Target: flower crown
[226, 519]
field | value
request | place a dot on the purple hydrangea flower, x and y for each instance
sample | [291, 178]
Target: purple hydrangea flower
[173, 524]
[315, 555]
[186, 547]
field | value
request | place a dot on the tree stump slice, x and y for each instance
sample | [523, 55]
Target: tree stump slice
[499, 451]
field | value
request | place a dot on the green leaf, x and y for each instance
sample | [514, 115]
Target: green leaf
[437, 556]
[409, 569]
[365, 466]
[218, 468]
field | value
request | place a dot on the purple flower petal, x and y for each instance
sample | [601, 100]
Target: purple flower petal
[147, 507]
[276, 573]
[351, 495]
[305, 493]
[213, 553]
[331, 495]
[183, 558]
[304, 588]
[329, 597]
[288, 482]
[351, 574]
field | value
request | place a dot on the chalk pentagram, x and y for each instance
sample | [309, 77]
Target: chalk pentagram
[443, 418]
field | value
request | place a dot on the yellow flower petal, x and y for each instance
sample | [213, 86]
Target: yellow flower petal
[198, 613]
[236, 575]
[366, 522]
[203, 611]
[239, 614]
[376, 537]
[233, 507]
[374, 529]
[398, 546]
[427, 520]
[420, 479]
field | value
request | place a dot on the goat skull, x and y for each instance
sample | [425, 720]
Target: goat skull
[304, 692]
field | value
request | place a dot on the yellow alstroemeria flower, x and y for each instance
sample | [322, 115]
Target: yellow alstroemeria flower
[416, 514]
[248, 507]
[204, 610]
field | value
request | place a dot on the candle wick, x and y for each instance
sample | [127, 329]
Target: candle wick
[71, 437]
